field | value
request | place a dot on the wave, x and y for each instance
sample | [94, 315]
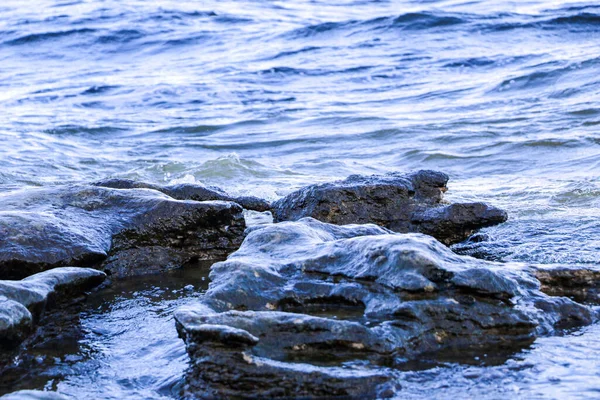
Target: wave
[77, 130]
[170, 15]
[585, 112]
[182, 16]
[193, 39]
[577, 19]
[152, 25]
[39, 37]
[473, 23]
[408, 21]
[289, 71]
[547, 74]
[205, 129]
[121, 36]
[572, 23]
[289, 53]
[93, 90]
[470, 62]
[426, 20]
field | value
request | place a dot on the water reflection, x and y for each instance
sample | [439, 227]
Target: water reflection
[125, 345]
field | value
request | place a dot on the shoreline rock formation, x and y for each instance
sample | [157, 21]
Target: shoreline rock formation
[127, 228]
[322, 299]
[189, 191]
[23, 302]
[581, 283]
[351, 283]
[123, 232]
[400, 202]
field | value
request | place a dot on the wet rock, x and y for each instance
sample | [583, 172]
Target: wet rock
[33, 395]
[23, 302]
[189, 191]
[124, 232]
[580, 283]
[309, 296]
[400, 202]
[234, 363]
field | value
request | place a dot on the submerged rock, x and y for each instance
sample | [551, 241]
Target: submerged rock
[124, 232]
[189, 191]
[339, 305]
[400, 202]
[23, 302]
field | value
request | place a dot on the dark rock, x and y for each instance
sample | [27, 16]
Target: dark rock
[189, 191]
[400, 202]
[580, 283]
[309, 296]
[23, 302]
[231, 362]
[124, 232]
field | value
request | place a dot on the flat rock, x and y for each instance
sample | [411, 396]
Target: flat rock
[23, 302]
[401, 202]
[189, 191]
[124, 232]
[308, 296]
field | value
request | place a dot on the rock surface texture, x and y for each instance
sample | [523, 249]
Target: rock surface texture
[121, 231]
[581, 283]
[189, 191]
[400, 202]
[308, 309]
[23, 302]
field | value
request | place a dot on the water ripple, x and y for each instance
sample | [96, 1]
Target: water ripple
[263, 97]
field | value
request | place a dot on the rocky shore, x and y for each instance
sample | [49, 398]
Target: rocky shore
[351, 282]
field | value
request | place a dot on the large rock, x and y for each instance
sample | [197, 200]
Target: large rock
[189, 191]
[23, 302]
[230, 362]
[124, 232]
[349, 301]
[400, 202]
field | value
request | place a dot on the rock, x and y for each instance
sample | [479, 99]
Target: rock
[580, 283]
[34, 395]
[308, 296]
[234, 363]
[189, 191]
[400, 202]
[23, 302]
[124, 232]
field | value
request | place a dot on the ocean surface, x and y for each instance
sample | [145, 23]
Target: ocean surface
[262, 97]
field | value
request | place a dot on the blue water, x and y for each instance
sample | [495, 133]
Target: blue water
[262, 97]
